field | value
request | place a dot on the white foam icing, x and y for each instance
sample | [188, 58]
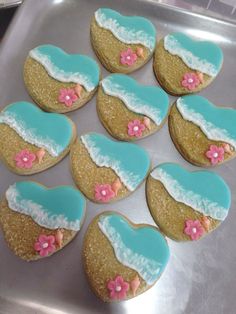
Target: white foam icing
[147, 269]
[209, 129]
[29, 135]
[196, 201]
[37, 212]
[192, 61]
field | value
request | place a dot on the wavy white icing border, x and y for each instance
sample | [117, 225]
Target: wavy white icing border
[209, 129]
[148, 269]
[29, 135]
[37, 212]
[131, 100]
[123, 34]
[194, 200]
[130, 180]
[192, 61]
[60, 75]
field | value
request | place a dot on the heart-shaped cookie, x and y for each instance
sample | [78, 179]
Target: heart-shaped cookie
[187, 205]
[183, 65]
[122, 43]
[204, 134]
[37, 221]
[105, 170]
[58, 81]
[122, 259]
[128, 110]
[32, 140]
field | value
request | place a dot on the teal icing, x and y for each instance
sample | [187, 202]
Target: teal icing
[151, 101]
[203, 56]
[51, 131]
[143, 249]
[129, 161]
[66, 67]
[217, 124]
[204, 191]
[60, 207]
[128, 29]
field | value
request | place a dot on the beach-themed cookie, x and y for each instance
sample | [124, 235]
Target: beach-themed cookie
[107, 170]
[58, 81]
[186, 205]
[122, 259]
[32, 140]
[122, 43]
[204, 134]
[183, 65]
[38, 221]
[128, 110]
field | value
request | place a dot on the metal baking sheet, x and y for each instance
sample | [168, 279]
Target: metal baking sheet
[200, 277]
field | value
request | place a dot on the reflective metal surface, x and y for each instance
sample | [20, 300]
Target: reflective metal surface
[200, 277]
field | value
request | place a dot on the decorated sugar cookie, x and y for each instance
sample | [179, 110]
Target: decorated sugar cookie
[32, 140]
[58, 81]
[128, 110]
[204, 134]
[122, 43]
[122, 259]
[187, 205]
[183, 65]
[107, 170]
[38, 221]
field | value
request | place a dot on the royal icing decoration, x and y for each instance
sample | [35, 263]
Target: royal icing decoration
[147, 123]
[60, 207]
[128, 57]
[136, 128]
[116, 186]
[190, 81]
[67, 96]
[140, 52]
[151, 101]
[45, 245]
[128, 29]
[130, 162]
[78, 90]
[40, 154]
[205, 223]
[215, 154]
[24, 159]
[134, 285]
[118, 288]
[59, 237]
[143, 249]
[218, 124]
[193, 229]
[50, 131]
[68, 68]
[104, 192]
[203, 56]
[204, 191]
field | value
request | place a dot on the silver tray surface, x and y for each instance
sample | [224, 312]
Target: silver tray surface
[200, 277]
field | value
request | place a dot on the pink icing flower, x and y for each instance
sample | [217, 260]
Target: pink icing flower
[24, 159]
[136, 128]
[215, 154]
[194, 229]
[67, 96]
[118, 288]
[128, 57]
[104, 192]
[190, 81]
[45, 245]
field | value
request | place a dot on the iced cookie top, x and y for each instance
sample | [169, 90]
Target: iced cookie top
[128, 29]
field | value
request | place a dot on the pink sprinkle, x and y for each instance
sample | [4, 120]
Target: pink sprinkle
[194, 229]
[215, 154]
[104, 192]
[190, 81]
[128, 57]
[67, 96]
[118, 288]
[135, 128]
[24, 159]
[45, 245]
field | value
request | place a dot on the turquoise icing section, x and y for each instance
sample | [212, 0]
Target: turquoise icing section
[143, 249]
[128, 29]
[51, 131]
[66, 67]
[151, 101]
[204, 56]
[130, 162]
[217, 123]
[204, 191]
[60, 207]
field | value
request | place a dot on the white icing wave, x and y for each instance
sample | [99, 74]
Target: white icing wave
[196, 201]
[128, 178]
[193, 62]
[131, 100]
[209, 129]
[123, 34]
[29, 135]
[148, 269]
[59, 74]
[37, 212]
